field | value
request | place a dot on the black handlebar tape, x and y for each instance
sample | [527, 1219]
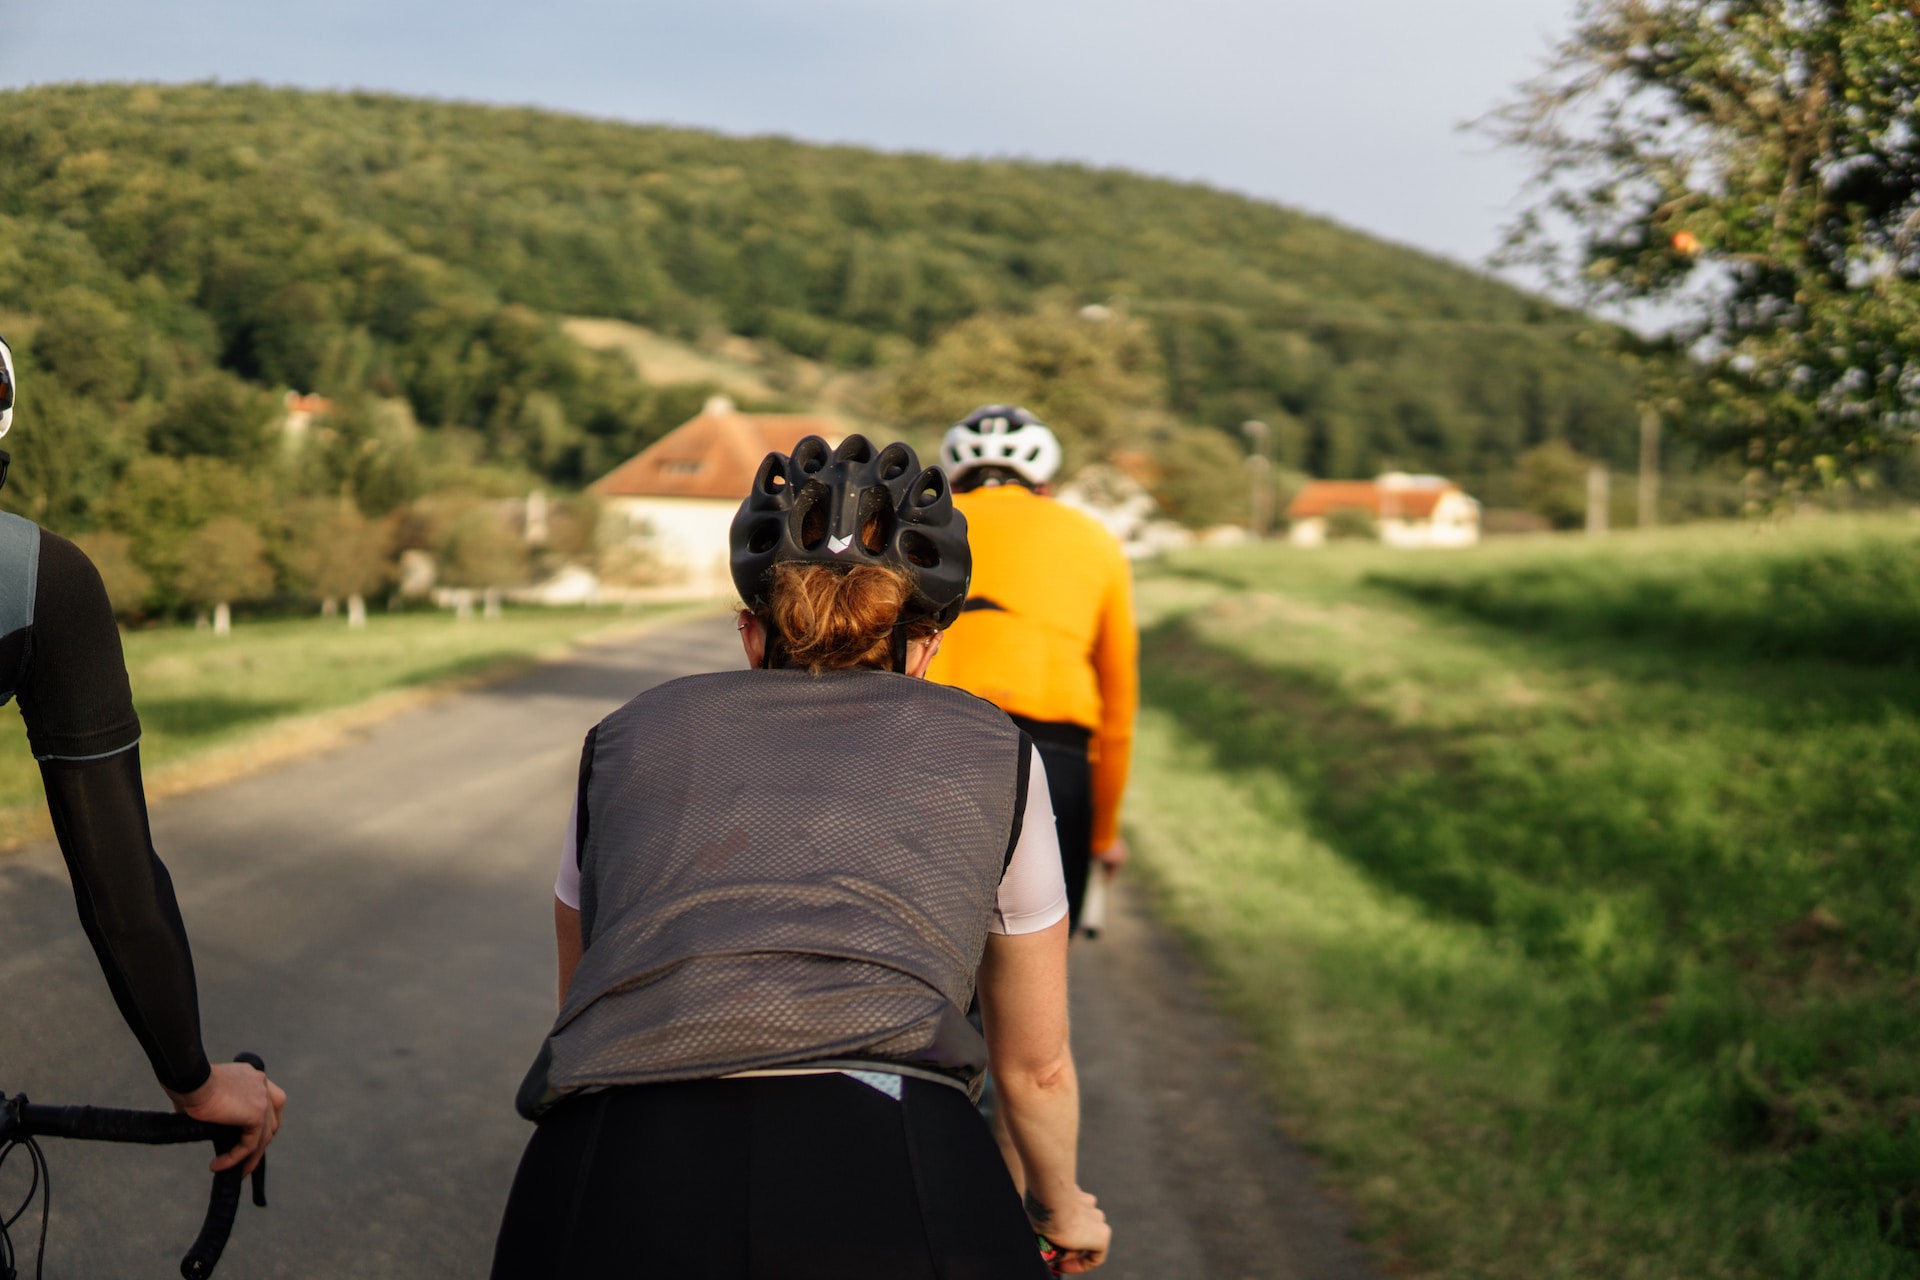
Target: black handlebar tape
[109, 1124]
[255, 1061]
[224, 1204]
[221, 1208]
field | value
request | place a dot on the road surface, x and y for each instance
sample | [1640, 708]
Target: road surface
[376, 922]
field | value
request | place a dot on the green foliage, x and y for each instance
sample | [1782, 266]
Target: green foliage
[332, 551]
[1578, 952]
[126, 583]
[1756, 163]
[375, 249]
[215, 415]
[1551, 480]
[1093, 381]
[1352, 523]
[368, 451]
[476, 546]
[84, 341]
[1201, 478]
[159, 503]
[223, 560]
[67, 450]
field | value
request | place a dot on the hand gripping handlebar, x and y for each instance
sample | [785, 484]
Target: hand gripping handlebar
[21, 1119]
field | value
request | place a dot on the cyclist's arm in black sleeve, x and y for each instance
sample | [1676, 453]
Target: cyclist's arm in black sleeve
[82, 727]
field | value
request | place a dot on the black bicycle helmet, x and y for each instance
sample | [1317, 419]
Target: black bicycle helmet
[918, 531]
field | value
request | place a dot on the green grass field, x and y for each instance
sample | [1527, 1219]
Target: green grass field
[195, 691]
[1570, 888]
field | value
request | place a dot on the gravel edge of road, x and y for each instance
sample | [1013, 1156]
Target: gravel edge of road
[1211, 1126]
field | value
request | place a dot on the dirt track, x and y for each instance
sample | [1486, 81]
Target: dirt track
[375, 921]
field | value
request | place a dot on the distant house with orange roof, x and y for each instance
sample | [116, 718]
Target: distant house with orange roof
[665, 511]
[1407, 510]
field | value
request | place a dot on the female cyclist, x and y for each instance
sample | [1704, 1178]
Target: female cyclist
[779, 888]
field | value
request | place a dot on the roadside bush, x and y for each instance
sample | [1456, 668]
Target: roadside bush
[1351, 522]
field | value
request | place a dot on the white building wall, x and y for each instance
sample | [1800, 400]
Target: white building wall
[680, 542]
[1455, 523]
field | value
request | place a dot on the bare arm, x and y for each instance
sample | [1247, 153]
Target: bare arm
[566, 935]
[1023, 998]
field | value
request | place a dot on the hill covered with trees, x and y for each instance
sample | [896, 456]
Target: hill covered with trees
[173, 258]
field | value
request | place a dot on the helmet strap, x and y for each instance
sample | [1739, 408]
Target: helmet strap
[898, 643]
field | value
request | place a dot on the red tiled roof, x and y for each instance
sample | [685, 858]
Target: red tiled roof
[1324, 496]
[713, 455]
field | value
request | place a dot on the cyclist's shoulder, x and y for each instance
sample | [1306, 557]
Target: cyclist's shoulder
[681, 694]
[1041, 515]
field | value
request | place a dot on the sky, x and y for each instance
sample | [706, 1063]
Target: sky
[1346, 109]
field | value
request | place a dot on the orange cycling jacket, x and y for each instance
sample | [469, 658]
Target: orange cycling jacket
[1048, 631]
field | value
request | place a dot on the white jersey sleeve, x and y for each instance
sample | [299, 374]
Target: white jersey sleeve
[566, 886]
[1033, 893]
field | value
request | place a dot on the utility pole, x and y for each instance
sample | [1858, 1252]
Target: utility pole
[1599, 485]
[1649, 466]
[1260, 473]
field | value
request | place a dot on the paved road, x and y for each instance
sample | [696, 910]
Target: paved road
[376, 923]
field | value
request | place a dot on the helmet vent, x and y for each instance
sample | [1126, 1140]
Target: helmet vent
[876, 520]
[772, 480]
[920, 550]
[765, 537]
[930, 488]
[810, 515]
[894, 462]
[811, 455]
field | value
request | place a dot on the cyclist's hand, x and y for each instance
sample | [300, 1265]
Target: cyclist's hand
[1114, 855]
[239, 1095]
[1078, 1229]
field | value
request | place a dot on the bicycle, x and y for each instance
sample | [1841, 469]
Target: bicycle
[22, 1123]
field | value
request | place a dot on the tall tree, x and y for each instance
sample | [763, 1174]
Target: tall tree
[333, 553]
[1755, 163]
[225, 561]
[1093, 375]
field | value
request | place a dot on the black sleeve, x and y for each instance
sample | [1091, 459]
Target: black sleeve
[80, 720]
[74, 693]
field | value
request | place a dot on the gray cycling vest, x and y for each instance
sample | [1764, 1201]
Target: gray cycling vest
[782, 869]
[19, 580]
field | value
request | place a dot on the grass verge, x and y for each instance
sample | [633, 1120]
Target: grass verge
[1576, 951]
[212, 708]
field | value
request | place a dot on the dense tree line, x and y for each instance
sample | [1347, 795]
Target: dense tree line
[173, 258]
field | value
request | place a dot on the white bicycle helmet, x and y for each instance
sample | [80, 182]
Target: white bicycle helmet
[1001, 435]
[6, 386]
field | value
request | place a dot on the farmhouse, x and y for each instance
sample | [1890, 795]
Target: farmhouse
[1405, 510]
[665, 511]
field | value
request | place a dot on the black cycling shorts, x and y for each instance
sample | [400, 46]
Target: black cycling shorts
[814, 1177]
[1064, 755]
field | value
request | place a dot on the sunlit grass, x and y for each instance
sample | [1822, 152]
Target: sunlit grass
[1577, 954]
